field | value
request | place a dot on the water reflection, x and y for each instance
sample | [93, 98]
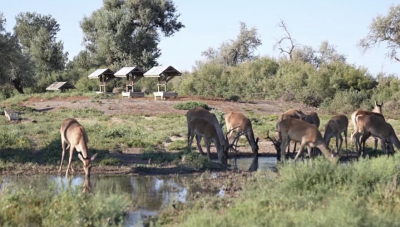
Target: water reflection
[253, 164]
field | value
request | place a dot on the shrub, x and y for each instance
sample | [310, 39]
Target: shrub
[190, 105]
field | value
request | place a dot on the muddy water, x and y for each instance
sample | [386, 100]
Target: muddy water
[149, 193]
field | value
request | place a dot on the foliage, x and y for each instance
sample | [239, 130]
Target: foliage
[50, 207]
[190, 105]
[37, 35]
[236, 51]
[128, 32]
[363, 193]
[384, 29]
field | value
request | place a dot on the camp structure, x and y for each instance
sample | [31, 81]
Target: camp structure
[104, 75]
[163, 74]
[60, 86]
[132, 75]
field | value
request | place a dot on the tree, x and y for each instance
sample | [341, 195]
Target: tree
[236, 51]
[14, 65]
[37, 36]
[127, 32]
[384, 29]
[288, 49]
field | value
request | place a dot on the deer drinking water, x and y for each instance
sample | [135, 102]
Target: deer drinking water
[241, 125]
[75, 136]
[303, 132]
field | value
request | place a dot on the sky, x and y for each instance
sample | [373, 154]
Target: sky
[208, 23]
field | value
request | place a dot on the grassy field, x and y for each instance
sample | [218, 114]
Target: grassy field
[363, 193]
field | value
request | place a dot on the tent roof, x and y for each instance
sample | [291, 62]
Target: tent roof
[126, 70]
[99, 72]
[58, 85]
[156, 71]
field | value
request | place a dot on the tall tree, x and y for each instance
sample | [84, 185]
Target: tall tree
[14, 65]
[127, 32]
[37, 36]
[233, 52]
[384, 29]
[286, 44]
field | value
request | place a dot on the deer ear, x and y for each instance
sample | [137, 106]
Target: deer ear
[93, 157]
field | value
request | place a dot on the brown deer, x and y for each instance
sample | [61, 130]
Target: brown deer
[305, 133]
[377, 109]
[291, 114]
[334, 128]
[242, 124]
[75, 136]
[376, 126]
[213, 125]
[201, 128]
[312, 118]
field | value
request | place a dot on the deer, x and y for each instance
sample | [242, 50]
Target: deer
[210, 119]
[377, 109]
[376, 126]
[73, 134]
[312, 118]
[277, 144]
[241, 124]
[289, 114]
[305, 133]
[202, 128]
[334, 128]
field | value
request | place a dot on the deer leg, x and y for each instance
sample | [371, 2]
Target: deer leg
[300, 150]
[363, 141]
[63, 153]
[376, 143]
[383, 146]
[198, 140]
[345, 137]
[71, 150]
[309, 149]
[340, 144]
[208, 144]
[284, 144]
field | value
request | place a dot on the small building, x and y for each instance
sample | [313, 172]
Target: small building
[104, 76]
[164, 74]
[60, 86]
[132, 75]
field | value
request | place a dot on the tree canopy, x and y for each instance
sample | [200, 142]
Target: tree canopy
[384, 29]
[128, 32]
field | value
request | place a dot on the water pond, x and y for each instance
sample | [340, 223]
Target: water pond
[150, 193]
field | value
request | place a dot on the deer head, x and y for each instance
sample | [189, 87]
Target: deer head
[277, 145]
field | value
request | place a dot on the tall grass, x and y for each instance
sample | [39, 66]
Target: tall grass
[364, 193]
[50, 207]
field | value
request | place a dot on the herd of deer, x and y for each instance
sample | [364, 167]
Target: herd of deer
[293, 125]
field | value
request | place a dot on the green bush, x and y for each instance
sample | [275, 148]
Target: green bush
[190, 105]
[50, 207]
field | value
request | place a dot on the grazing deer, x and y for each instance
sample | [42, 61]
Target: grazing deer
[312, 118]
[376, 126]
[291, 114]
[242, 124]
[305, 133]
[200, 113]
[334, 128]
[377, 109]
[277, 145]
[75, 136]
[202, 128]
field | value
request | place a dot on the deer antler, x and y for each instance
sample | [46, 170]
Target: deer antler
[236, 139]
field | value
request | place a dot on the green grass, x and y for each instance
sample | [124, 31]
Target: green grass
[363, 193]
[50, 207]
[190, 105]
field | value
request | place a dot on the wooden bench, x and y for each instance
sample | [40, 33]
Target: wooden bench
[11, 115]
[164, 94]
